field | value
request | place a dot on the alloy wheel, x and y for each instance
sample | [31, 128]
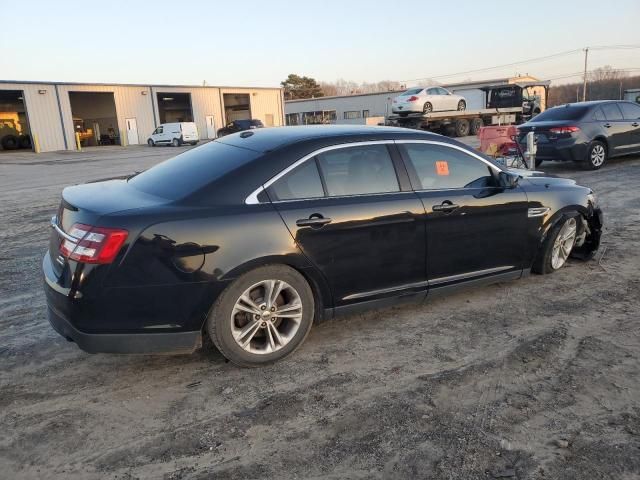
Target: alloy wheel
[597, 155]
[563, 244]
[266, 316]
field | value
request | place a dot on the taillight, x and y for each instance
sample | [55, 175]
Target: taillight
[93, 244]
[412, 98]
[559, 130]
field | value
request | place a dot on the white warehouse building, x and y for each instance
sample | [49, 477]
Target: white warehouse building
[48, 115]
[373, 108]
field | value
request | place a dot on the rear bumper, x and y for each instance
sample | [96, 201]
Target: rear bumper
[177, 343]
[69, 314]
[560, 150]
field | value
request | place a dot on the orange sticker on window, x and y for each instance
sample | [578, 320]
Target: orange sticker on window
[442, 167]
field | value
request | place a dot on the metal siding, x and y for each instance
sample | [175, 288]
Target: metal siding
[45, 122]
[376, 104]
[42, 112]
[129, 102]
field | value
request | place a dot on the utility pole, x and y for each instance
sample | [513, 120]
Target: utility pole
[584, 85]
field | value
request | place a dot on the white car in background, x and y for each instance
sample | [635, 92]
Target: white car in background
[174, 134]
[427, 100]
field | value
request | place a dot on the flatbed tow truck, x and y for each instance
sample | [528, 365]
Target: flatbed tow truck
[506, 105]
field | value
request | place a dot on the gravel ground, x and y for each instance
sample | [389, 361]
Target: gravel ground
[534, 379]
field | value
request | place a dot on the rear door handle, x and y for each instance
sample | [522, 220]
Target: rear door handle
[607, 125]
[635, 124]
[445, 207]
[315, 221]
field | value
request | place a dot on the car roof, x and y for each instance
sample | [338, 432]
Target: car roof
[589, 103]
[270, 139]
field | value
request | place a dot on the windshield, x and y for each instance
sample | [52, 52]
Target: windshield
[180, 176]
[565, 112]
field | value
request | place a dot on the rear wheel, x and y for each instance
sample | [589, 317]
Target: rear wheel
[596, 156]
[262, 317]
[151, 143]
[462, 127]
[10, 142]
[175, 142]
[557, 247]
[462, 105]
[476, 125]
[427, 107]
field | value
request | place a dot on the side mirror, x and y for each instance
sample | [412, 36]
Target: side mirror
[508, 180]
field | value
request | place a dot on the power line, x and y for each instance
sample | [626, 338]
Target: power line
[531, 60]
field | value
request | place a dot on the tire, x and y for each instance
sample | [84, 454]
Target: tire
[427, 107]
[10, 142]
[226, 322]
[596, 156]
[151, 143]
[462, 127]
[545, 261]
[476, 125]
[24, 141]
[462, 105]
[194, 143]
[176, 142]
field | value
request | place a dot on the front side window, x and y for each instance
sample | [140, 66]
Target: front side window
[442, 91]
[630, 111]
[158, 131]
[439, 167]
[432, 91]
[366, 169]
[302, 182]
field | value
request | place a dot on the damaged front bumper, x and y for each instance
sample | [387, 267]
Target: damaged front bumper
[588, 240]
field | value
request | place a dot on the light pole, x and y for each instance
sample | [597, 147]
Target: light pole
[584, 85]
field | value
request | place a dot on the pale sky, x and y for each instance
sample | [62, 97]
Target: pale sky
[258, 43]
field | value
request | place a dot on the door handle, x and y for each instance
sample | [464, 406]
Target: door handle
[445, 207]
[635, 124]
[314, 221]
[607, 125]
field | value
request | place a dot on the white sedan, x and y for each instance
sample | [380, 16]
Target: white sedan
[426, 100]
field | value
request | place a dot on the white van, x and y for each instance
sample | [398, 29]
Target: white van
[174, 134]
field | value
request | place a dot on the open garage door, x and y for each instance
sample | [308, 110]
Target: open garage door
[174, 107]
[15, 133]
[94, 118]
[236, 107]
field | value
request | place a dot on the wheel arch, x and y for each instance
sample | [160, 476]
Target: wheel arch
[317, 282]
[560, 215]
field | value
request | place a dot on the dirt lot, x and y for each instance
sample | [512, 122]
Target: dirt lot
[535, 379]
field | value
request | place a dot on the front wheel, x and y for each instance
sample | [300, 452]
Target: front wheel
[557, 247]
[596, 156]
[262, 317]
[462, 105]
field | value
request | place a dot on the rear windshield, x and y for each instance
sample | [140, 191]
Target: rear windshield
[180, 176]
[562, 113]
[413, 91]
[256, 123]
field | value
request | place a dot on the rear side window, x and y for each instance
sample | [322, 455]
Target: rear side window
[598, 115]
[438, 167]
[631, 111]
[180, 176]
[611, 111]
[302, 182]
[358, 170]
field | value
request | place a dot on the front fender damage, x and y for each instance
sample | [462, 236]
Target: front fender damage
[588, 239]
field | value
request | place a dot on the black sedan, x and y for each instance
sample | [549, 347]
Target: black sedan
[252, 237]
[585, 132]
[240, 126]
